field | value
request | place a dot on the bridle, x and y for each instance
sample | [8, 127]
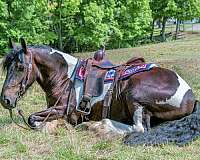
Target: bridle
[23, 84]
[25, 80]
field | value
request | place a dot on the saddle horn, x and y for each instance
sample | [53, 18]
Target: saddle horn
[99, 55]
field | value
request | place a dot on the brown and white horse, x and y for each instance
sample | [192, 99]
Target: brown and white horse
[159, 92]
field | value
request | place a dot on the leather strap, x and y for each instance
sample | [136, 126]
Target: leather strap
[108, 96]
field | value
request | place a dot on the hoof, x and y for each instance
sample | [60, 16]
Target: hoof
[31, 121]
[138, 129]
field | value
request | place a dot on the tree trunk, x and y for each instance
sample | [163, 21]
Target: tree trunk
[177, 27]
[60, 25]
[152, 30]
[163, 28]
[159, 24]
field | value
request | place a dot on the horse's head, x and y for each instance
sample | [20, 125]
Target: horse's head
[18, 65]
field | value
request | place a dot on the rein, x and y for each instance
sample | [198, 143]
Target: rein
[20, 112]
[11, 116]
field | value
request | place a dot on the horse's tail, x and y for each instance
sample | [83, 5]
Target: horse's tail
[196, 106]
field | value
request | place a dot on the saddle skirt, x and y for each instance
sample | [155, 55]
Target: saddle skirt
[110, 74]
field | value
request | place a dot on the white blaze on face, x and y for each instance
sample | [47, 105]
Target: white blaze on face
[71, 61]
[177, 98]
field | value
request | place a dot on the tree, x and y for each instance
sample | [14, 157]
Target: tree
[63, 18]
[186, 10]
[134, 20]
[93, 25]
[3, 26]
[162, 10]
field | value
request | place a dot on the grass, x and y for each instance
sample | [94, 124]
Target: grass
[183, 56]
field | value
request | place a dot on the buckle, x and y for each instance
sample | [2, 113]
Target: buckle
[84, 108]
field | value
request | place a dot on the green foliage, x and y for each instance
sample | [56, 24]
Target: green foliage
[82, 25]
[163, 10]
[181, 9]
[187, 10]
[74, 24]
[3, 26]
[20, 147]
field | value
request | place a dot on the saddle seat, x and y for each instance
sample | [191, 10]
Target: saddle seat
[106, 64]
[135, 60]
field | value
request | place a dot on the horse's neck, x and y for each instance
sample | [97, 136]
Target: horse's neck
[52, 74]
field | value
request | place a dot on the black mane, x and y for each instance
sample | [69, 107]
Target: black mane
[39, 47]
[7, 60]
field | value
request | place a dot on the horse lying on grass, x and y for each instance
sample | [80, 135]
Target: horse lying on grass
[160, 92]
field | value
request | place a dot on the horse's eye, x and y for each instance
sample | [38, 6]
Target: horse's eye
[20, 67]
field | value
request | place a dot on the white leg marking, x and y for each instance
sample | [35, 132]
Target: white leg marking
[137, 118]
[177, 98]
[117, 127]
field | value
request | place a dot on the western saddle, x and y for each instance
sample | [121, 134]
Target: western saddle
[96, 69]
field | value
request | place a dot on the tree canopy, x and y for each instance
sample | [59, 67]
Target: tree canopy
[83, 25]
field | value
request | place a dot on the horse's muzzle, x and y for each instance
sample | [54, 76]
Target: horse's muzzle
[7, 103]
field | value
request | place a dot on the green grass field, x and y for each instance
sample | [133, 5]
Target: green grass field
[183, 56]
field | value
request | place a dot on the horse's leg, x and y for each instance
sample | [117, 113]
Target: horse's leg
[137, 118]
[147, 118]
[49, 114]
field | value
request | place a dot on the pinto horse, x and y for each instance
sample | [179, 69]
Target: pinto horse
[159, 92]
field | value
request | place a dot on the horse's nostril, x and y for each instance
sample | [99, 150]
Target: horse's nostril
[7, 101]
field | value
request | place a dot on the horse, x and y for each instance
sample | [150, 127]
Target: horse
[159, 92]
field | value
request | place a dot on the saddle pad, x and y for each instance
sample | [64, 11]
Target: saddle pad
[80, 72]
[109, 77]
[128, 72]
[136, 69]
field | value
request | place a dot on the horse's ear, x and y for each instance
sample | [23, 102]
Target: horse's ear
[23, 44]
[11, 45]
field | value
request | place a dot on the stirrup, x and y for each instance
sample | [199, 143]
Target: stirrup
[82, 107]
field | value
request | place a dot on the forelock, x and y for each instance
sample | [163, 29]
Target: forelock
[9, 58]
